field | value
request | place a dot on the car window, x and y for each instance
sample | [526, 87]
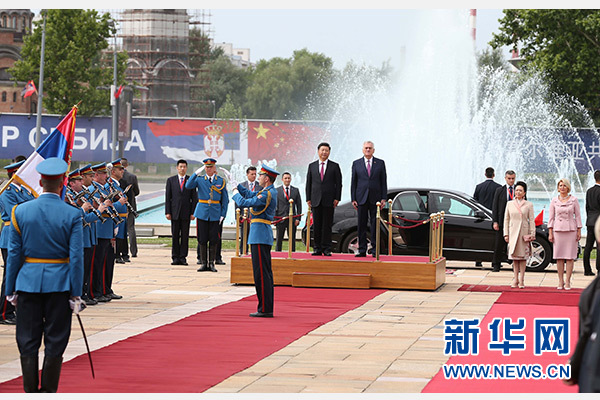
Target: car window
[451, 205]
[409, 201]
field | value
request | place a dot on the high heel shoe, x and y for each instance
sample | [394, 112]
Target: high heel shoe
[514, 284]
[568, 286]
[522, 285]
[560, 287]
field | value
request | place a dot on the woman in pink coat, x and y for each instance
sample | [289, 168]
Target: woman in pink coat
[519, 231]
[564, 226]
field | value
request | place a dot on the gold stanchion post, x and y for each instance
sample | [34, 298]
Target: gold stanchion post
[290, 228]
[377, 233]
[308, 230]
[245, 233]
[431, 231]
[237, 232]
[389, 227]
[442, 221]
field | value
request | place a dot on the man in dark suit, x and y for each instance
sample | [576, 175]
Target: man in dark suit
[130, 179]
[286, 192]
[501, 197]
[323, 193]
[592, 209]
[252, 185]
[180, 203]
[484, 192]
[369, 186]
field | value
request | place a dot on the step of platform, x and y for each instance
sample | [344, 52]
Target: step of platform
[331, 280]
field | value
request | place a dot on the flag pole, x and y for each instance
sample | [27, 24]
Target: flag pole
[38, 124]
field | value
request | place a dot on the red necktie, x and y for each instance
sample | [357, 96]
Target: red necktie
[369, 167]
[322, 170]
[252, 186]
[510, 192]
[181, 184]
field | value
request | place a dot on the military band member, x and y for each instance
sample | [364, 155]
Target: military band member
[8, 199]
[263, 205]
[89, 228]
[45, 272]
[210, 211]
[116, 174]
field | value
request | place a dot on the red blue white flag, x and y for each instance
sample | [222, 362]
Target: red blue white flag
[29, 89]
[58, 144]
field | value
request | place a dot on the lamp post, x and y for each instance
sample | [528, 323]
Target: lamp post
[113, 101]
[38, 123]
[176, 108]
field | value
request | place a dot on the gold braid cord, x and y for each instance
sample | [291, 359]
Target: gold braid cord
[266, 205]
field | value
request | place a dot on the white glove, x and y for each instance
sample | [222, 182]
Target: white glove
[76, 304]
[12, 299]
[116, 231]
[199, 171]
[221, 220]
[232, 184]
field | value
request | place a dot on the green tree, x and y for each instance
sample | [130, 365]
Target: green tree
[73, 62]
[228, 83]
[563, 43]
[281, 87]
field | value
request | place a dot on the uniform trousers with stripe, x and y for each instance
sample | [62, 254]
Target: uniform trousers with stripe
[88, 253]
[7, 310]
[263, 276]
[103, 268]
[47, 315]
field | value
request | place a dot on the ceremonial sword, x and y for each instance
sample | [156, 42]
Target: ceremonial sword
[87, 346]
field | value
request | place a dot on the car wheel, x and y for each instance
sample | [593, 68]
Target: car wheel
[541, 254]
[350, 244]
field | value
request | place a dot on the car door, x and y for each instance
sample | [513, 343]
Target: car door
[412, 238]
[468, 232]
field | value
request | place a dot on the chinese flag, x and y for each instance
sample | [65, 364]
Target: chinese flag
[539, 219]
[290, 143]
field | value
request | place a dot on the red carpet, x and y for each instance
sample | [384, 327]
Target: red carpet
[507, 288]
[198, 352]
[515, 305]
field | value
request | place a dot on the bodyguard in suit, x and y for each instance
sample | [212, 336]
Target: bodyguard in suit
[592, 209]
[130, 179]
[369, 186]
[502, 195]
[210, 211]
[286, 192]
[45, 272]
[180, 203]
[484, 192]
[264, 204]
[323, 193]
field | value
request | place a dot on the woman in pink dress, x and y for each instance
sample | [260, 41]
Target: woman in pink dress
[564, 226]
[519, 231]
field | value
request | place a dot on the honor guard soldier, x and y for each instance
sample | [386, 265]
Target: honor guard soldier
[77, 197]
[210, 211]
[264, 204]
[103, 259]
[45, 276]
[116, 174]
[8, 199]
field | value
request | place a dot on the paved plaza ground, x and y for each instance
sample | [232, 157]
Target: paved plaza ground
[393, 343]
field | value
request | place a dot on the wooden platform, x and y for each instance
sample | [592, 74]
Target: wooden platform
[390, 272]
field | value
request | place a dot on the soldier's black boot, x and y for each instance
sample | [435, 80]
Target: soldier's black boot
[203, 258]
[29, 367]
[212, 253]
[51, 374]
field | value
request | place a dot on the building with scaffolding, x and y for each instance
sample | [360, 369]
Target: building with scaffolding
[168, 54]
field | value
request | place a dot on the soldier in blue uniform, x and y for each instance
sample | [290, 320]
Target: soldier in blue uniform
[87, 175]
[260, 238]
[89, 231]
[44, 273]
[210, 211]
[11, 196]
[116, 174]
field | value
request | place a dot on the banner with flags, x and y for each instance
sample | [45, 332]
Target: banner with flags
[29, 89]
[58, 144]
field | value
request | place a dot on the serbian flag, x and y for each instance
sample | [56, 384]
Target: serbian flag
[540, 218]
[58, 144]
[29, 89]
